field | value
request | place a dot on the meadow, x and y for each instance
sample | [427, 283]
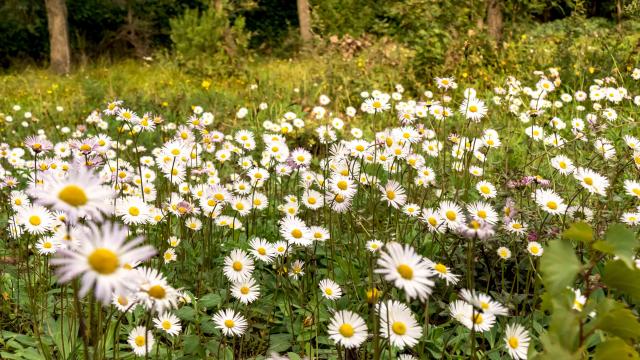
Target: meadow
[321, 209]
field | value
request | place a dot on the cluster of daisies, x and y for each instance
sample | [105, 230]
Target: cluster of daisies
[83, 200]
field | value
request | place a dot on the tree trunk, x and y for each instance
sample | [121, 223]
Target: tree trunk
[304, 18]
[619, 15]
[494, 20]
[60, 56]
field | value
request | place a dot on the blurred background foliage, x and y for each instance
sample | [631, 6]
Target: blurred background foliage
[140, 49]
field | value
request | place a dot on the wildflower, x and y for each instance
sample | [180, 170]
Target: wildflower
[534, 248]
[516, 341]
[406, 269]
[141, 340]
[393, 194]
[504, 253]
[238, 266]
[549, 201]
[398, 324]
[347, 329]
[153, 290]
[330, 290]
[168, 323]
[246, 291]
[230, 322]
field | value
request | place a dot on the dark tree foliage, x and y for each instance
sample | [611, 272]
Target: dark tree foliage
[125, 28]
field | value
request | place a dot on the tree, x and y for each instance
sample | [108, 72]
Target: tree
[60, 53]
[304, 18]
[494, 19]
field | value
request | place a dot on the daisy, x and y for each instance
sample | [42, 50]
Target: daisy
[173, 241]
[47, 246]
[169, 256]
[262, 250]
[451, 213]
[483, 302]
[238, 266]
[483, 212]
[486, 189]
[79, 193]
[504, 253]
[168, 323]
[342, 185]
[592, 181]
[133, 210]
[443, 272]
[347, 329]
[330, 290]
[433, 220]
[123, 302]
[297, 269]
[563, 164]
[295, 231]
[516, 341]
[374, 245]
[398, 324]
[246, 291]
[406, 269]
[153, 290]
[393, 194]
[534, 248]
[100, 259]
[549, 201]
[473, 109]
[516, 227]
[141, 340]
[36, 219]
[632, 188]
[230, 322]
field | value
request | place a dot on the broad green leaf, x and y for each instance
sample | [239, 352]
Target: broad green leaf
[619, 276]
[553, 349]
[579, 231]
[280, 342]
[210, 300]
[615, 348]
[186, 313]
[559, 266]
[620, 322]
[619, 241]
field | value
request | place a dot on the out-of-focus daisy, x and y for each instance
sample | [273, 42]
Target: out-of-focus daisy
[297, 269]
[549, 201]
[80, 193]
[374, 245]
[100, 260]
[534, 248]
[123, 302]
[443, 272]
[169, 256]
[486, 189]
[47, 246]
[504, 253]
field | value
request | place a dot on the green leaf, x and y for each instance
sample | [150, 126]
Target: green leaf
[619, 241]
[620, 322]
[186, 313]
[615, 348]
[579, 231]
[559, 266]
[280, 343]
[619, 276]
[210, 300]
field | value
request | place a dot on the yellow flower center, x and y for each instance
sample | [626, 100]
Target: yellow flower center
[47, 245]
[262, 251]
[229, 323]
[516, 226]
[103, 261]
[35, 220]
[391, 194]
[346, 330]
[451, 215]
[85, 147]
[513, 342]
[588, 181]
[244, 290]
[482, 214]
[473, 108]
[123, 300]
[157, 291]
[342, 185]
[328, 291]
[433, 221]
[405, 271]
[552, 205]
[139, 340]
[477, 319]
[535, 250]
[440, 268]
[166, 325]
[237, 266]
[134, 211]
[485, 189]
[359, 148]
[399, 328]
[296, 233]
